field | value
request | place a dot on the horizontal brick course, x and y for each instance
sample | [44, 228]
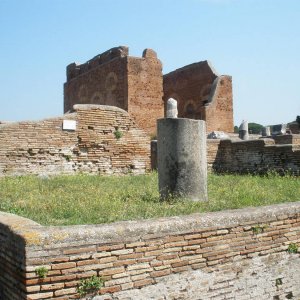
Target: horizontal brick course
[42, 147]
[255, 156]
[222, 242]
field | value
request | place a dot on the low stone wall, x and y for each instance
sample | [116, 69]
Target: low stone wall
[239, 254]
[280, 154]
[43, 147]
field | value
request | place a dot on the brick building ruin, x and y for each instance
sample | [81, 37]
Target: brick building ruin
[116, 79]
[116, 93]
[113, 92]
[201, 94]
[91, 146]
[137, 85]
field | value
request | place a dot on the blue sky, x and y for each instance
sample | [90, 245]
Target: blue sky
[255, 41]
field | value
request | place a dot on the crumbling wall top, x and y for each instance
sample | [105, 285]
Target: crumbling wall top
[198, 69]
[74, 69]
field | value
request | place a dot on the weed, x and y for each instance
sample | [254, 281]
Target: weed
[89, 285]
[42, 272]
[257, 229]
[278, 281]
[292, 248]
[68, 157]
[118, 134]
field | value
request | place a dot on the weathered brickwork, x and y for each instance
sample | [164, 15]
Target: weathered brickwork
[285, 139]
[259, 278]
[137, 86]
[12, 257]
[281, 154]
[102, 80]
[238, 254]
[218, 112]
[94, 147]
[294, 127]
[114, 78]
[145, 90]
[201, 94]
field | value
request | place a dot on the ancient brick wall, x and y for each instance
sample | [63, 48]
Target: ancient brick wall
[102, 80]
[218, 111]
[114, 78]
[281, 154]
[145, 90]
[287, 139]
[201, 94]
[294, 127]
[12, 257]
[94, 147]
[239, 254]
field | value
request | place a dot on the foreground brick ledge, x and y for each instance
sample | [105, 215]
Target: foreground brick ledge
[35, 234]
[204, 254]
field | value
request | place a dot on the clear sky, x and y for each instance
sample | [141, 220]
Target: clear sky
[255, 41]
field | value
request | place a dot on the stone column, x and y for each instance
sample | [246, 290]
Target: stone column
[243, 131]
[182, 163]
[266, 131]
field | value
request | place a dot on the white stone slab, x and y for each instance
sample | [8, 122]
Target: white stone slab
[69, 125]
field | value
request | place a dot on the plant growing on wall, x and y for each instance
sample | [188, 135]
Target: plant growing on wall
[292, 248]
[257, 229]
[41, 272]
[89, 285]
[68, 157]
[118, 134]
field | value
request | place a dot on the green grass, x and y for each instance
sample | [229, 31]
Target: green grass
[84, 199]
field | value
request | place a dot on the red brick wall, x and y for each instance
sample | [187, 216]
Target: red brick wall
[114, 78]
[44, 148]
[102, 80]
[201, 94]
[211, 254]
[145, 92]
[218, 112]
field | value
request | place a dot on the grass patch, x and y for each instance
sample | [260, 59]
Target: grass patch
[84, 199]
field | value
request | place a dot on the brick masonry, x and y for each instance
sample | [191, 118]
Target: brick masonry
[294, 127]
[239, 254]
[281, 154]
[117, 79]
[137, 86]
[45, 148]
[201, 94]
